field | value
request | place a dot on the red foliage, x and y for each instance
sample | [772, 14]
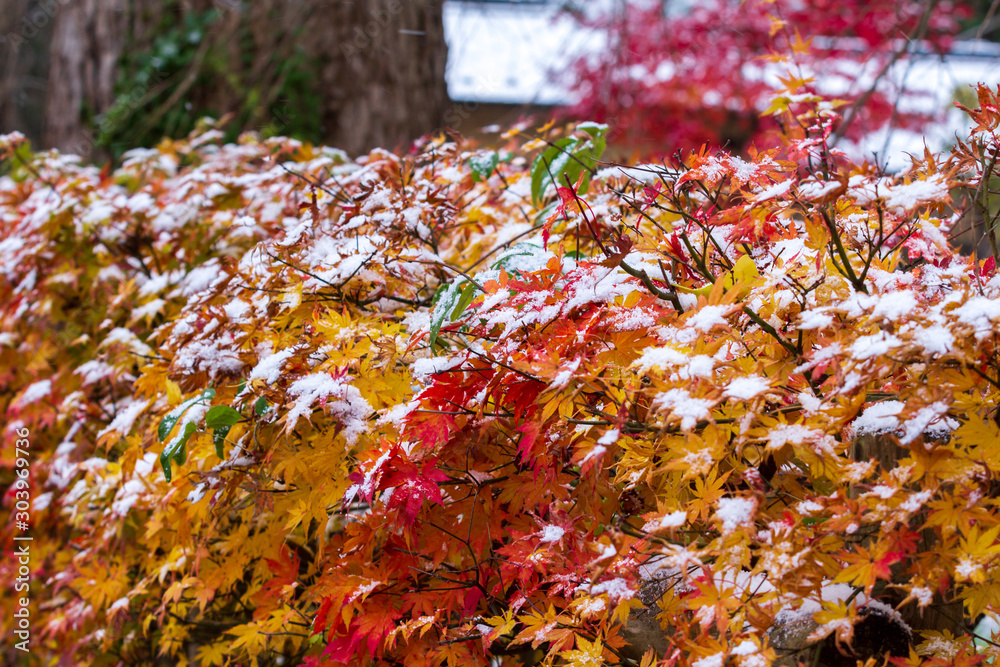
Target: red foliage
[679, 82]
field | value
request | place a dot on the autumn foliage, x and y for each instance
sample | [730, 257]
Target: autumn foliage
[466, 407]
[679, 78]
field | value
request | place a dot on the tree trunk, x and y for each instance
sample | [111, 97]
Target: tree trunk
[25, 31]
[387, 83]
[87, 41]
[375, 70]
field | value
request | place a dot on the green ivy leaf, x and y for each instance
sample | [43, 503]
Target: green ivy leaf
[176, 449]
[219, 439]
[221, 415]
[549, 166]
[168, 422]
[468, 294]
[260, 407]
[568, 158]
[444, 305]
[483, 165]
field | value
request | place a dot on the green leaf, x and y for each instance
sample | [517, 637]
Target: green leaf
[549, 165]
[219, 438]
[599, 134]
[442, 288]
[221, 415]
[483, 166]
[444, 304]
[568, 158]
[260, 407]
[168, 422]
[468, 294]
[176, 450]
[22, 158]
[520, 250]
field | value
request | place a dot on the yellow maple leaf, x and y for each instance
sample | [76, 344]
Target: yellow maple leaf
[212, 654]
[586, 654]
[248, 637]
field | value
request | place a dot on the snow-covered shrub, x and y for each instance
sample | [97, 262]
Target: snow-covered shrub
[464, 406]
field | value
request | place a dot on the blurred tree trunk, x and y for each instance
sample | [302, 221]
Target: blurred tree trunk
[375, 69]
[87, 41]
[388, 84]
[25, 29]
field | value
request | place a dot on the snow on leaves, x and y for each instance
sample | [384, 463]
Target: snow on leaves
[401, 424]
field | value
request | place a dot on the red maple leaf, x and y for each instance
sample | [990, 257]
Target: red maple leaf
[413, 485]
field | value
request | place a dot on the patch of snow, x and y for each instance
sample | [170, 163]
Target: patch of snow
[902, 198]
[881, 417]
[813, 190]
[895, 305]
[979, 313]
[35, 392]
[616, 589]
[552, 534]
[127, 496]
[708, 317]
[269, 368]
[149, 309]
[715, 660]
[665, 522]
[197, 493]
[773, 191]
[735, 512]
[814, 319]
[875, 345]
[681, 404]
[929, 419]
[746, 388]
[41, 502]
[350, 408]
[422, 369]
[659, 357]
[124, 418]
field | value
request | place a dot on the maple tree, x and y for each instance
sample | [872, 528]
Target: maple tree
[469, 406]
[679, 78]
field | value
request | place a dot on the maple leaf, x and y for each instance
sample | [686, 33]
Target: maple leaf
[865, 567]
[368, 630]
[250, 638]
[413, 486]
[987, 116]
[213, 654]
[586, 653]
[285, 569]
[725, 370]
